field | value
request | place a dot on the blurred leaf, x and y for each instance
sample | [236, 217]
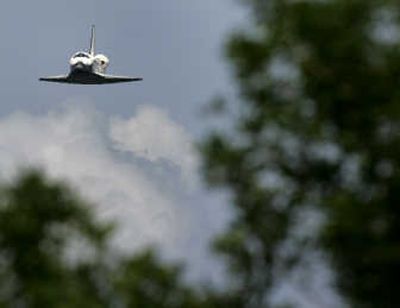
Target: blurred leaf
[321, 112]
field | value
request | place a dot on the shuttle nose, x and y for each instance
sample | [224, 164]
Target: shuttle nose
[79, 65]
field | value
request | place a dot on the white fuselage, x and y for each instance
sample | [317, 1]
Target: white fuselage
[86, 62]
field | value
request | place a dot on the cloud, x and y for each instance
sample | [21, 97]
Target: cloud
[123, 167]
[152, 135]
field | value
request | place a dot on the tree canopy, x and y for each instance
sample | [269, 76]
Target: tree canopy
[318, 127]
[41, 265]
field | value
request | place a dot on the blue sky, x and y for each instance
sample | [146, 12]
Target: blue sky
[175, 45]
[129, 148]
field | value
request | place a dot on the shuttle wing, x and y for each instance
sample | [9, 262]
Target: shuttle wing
[89, 78]
[116, 79]
[61, 79]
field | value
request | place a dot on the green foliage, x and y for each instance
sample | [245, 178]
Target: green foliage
[147, 284]
[36, 220]
[40, 220]
[320, 127]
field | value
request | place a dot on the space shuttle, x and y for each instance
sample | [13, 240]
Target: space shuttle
[87, 67]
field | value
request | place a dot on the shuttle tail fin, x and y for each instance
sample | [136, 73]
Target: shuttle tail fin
[92, 42]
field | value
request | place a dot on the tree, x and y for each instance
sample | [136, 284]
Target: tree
[40, 220]
[319, 127]
[143, 282]
[37, 219]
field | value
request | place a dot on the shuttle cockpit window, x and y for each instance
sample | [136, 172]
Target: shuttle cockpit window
[81, 55]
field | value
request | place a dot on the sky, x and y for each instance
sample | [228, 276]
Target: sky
[129, 148]
[176, 46]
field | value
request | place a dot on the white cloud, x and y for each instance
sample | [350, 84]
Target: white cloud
[84, 147]
[152, 135]
[150, 201]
